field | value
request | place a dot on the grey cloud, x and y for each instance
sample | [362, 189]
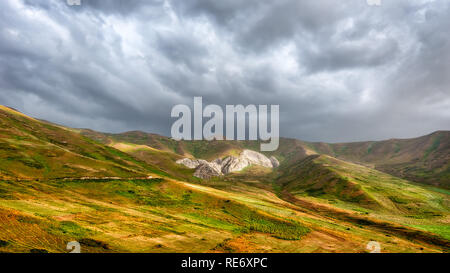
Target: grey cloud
[347, 55]
[344, 72]
[220, 12]
[182, 49]
[287, 19]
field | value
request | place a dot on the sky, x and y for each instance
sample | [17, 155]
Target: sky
[341, 71]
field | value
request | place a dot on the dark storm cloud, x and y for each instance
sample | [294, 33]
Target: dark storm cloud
[182, 50]
[348, 55]
[340, 70]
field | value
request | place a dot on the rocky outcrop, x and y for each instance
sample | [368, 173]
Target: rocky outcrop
[275, 162]
[233, 164]
[255, 158]
[229, 164]
[208, 170]
[191, 163]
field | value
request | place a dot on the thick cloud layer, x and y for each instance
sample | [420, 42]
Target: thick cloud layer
[340, 70]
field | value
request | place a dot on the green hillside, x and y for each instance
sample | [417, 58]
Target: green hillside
[31, 149]
[125, 193]
[425, 159]
[354, 186]
[290, 150]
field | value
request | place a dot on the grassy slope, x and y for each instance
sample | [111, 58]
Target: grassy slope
[327, 180]
[31, 149]
[329, 185]
[321, 179]
[171, 216]
[425, 159]
[244, 212]
[130, 215]
[290, 150]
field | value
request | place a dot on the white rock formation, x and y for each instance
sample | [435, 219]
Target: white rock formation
[232, 164]
[207, 171]
[255, 158]
[229, 164]
[191, 163]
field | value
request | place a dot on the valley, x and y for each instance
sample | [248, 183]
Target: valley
[126, 193]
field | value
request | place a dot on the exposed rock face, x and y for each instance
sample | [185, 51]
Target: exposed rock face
[233, 164]
[191, 163]
[207, 171]
[230, 164]
[255, 158]
[275, 162]
[215, 166]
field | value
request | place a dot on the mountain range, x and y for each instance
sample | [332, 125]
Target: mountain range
[126, 193]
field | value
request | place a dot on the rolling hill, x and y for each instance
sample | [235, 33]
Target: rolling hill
[34, 149]
[125, 193]
[350, 185]
[425, 159]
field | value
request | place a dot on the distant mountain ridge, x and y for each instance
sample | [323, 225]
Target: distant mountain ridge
[424, 159]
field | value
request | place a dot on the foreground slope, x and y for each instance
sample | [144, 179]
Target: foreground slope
[163, 215]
